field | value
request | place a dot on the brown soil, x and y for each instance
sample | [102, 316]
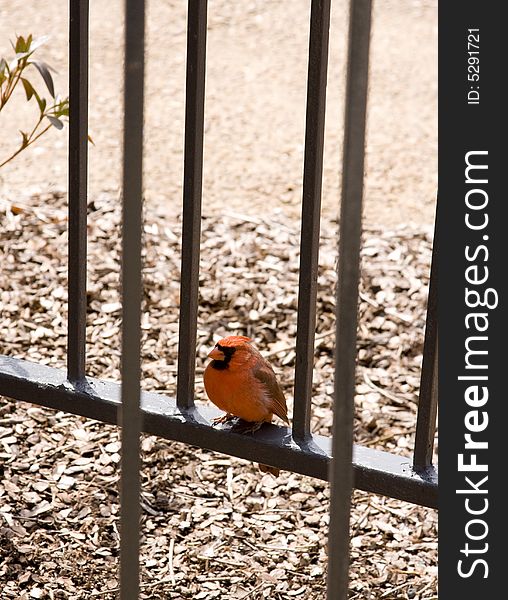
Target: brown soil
[255, 106]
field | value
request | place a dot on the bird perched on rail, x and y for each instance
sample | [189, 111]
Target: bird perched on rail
[239, 381]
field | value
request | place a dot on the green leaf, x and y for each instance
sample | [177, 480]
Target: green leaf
[21, 55]
[24, 144]
[90, 140]
[62, 108]
[55, 122]
[20, 45]
[41, 102]
[45, 74]
[37, 42]
[29, 90]
[3, 69]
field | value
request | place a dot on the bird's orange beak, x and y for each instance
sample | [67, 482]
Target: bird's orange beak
[216, 354]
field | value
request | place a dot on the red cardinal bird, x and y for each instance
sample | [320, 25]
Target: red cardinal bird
[241, 382]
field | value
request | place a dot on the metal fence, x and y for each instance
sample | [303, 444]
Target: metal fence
[294, 449]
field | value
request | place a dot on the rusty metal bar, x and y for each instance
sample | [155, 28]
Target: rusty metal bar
[78, 173]
[427, 404]
[192, 193]
[311, 207]
[341, 470]
[130, 414]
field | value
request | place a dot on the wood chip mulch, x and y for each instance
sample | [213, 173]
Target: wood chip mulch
[212, 526]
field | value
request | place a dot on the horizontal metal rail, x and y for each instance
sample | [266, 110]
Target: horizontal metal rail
[374, 471]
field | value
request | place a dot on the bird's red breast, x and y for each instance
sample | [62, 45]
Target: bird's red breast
[241, 382]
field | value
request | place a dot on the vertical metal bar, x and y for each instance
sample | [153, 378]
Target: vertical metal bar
[427, 404]
[311, 207]
[192, 192]
[341, 472]
[78, 157]
[129, 416]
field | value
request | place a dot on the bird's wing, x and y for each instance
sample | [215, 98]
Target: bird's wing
[265, 375]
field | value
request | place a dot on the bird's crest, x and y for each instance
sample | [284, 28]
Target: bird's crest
[233, 341]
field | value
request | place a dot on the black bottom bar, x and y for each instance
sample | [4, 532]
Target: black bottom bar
[374, 471]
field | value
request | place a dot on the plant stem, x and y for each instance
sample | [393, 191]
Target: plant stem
[29, 143]
[13, 77]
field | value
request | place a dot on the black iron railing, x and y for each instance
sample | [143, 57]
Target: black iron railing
[294, 449]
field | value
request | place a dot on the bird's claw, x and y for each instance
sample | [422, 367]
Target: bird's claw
[223, 419]
[248, 427]
[241, 426]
